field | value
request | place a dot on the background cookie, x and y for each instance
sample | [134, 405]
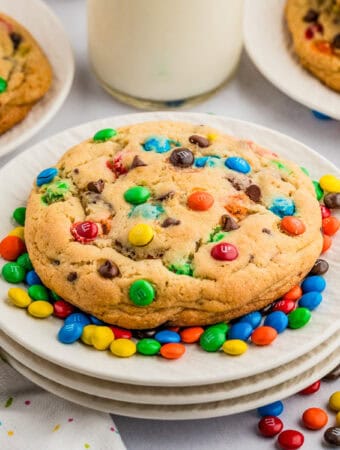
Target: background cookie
[193, 216]
[315, 29]
[25, 73]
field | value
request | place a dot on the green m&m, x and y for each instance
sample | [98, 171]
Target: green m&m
[299, 318]
[142, 293]
[148, 346]
[13, 272]
[137, 195]
[19, 215]
[3, 85]
[25, 262]
[105, 134]
[38, 292]
[213, 338]
[318, 190]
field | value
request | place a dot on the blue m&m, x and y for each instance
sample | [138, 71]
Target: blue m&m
[70, 333]
[158, 144]
[167, 336]
[273, 409]
[313, 283]
[238, 164]
[282, 207]
[254, 318]
[46, 176]
[32, 278]
[80, 318]
[240, 330]
[310, 300]
[277, 320]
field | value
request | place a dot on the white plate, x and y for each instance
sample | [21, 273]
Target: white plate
[184, 412]
[196, 367]
[268, 44]
[42, 23]
[170, 395]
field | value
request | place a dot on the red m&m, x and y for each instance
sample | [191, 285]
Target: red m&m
[285, 306]
[311, 389]
[270, 426]
[84, 232]
[224, 252]
[291, 439]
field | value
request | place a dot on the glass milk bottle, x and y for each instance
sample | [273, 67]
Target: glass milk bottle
[164, 53]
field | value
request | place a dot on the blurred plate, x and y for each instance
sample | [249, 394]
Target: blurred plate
[268, 44]
[39, 20]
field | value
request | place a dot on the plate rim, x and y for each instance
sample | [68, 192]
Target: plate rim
[138, 117]
[69, 377]
[196, 411]
[61, 95]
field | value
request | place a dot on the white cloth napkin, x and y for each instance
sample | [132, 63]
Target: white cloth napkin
[33, 419]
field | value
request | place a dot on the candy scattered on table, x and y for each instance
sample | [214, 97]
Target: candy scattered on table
[314, 418]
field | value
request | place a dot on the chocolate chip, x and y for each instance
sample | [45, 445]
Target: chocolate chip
[336, 41]
[332, 201]
[72, 276]
[238, 185]
[254, 193]
[137, 162]
[334, 375]
[228, 223]
[76, 171]
[266, 230]
[166, 196]
[56, 262]
[96, 186]
[169, 221]
[320, 267]
[251, 258]
[332, 436]
[141, 334]
[199, 140]
[16, 38]
[311, 16]
[182, 157]
[108, 270]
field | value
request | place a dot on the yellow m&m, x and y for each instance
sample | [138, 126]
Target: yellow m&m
[330, 183]
[124, 348]
[18, 232]
[19, 297]
[102, 337]
[87, 334]
[234, 347]
[40, 309]
[141, 234]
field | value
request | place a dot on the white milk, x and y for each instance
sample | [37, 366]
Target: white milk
[164, 50]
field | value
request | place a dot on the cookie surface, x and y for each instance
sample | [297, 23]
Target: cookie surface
[190, 214]
[315, 29]
[25, 73]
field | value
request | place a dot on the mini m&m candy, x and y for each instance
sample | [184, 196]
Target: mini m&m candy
[290, 439]
[38, 292]
[224, 252]
[334, 401]
[191, 334]
[141, 234]
[19, 297]
[310, 300]
[46, 176]
[167, 336]
[330, 225]
[270, 426]
[240, 331]
[299, 318]
[313, 283]
[311, 389]
[102, 337]
[277, 320]
[332, 436]
[70, 332]
[332, 201]
[123, 348]
[148, 346]
[137, 195]
[282, 206]
[264, 335]
[25, 262]
[200, 201]
[254, 319]
[142, 293]
[172, 350]
[273, 409]
[330, 183]
[292, 226]
[238, 164]
[62, 309]
[32, 278]
[293, 294]
[314, 418]
[19, 215]
[234, 347]
[13, 272]
[11, 247]
[105, 134]
[40, 309]
[212, 339]
[84, 232]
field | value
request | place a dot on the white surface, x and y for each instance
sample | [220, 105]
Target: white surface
[46, 28]
[248, 96]
[269, 46]
[197, 367]
[182, 412]
[156, 50]
[170, 396]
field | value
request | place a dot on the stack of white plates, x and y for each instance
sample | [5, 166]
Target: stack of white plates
[200, 384]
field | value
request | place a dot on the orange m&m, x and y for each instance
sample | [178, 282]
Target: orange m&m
[200, 201]
[263, 335]
[327, 242]
[172, 350]
[191, 334]
[314, 418]
[11, 247]
[292, 225]
[330, 225]
[293, 294]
